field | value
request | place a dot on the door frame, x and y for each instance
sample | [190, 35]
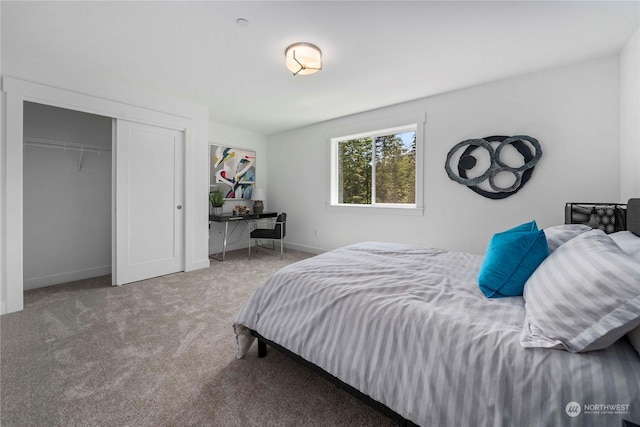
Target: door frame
[138, 107]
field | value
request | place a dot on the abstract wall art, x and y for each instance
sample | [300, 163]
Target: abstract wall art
[501, 167]
[232, 170]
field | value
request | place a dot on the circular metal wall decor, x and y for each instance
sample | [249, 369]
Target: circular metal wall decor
[467, 161]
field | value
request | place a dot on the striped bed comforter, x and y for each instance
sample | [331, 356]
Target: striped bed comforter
[409, 327]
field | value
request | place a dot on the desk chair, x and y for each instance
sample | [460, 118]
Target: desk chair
[278, 232]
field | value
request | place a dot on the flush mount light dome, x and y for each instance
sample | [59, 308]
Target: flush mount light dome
[303, 58]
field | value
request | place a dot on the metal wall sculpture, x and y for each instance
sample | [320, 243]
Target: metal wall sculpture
[467, 161]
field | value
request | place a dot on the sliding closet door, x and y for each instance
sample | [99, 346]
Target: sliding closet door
[149, 198]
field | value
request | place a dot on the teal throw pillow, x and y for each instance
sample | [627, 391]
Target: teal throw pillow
[511, 257]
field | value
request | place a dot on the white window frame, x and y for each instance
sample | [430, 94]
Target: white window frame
[374, 128]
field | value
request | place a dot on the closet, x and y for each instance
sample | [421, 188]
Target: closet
[67, 195]
[95, 186]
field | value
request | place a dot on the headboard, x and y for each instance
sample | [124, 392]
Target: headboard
[609, 217]
[633, 216]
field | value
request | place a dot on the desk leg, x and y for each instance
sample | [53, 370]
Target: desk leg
[224, 242]
[249, 224]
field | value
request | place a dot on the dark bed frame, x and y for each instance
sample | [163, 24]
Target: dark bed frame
[384, 409]
[633, 225]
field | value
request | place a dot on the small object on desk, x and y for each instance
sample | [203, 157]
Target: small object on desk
[216, 198]
[258, 196]
[241, 210]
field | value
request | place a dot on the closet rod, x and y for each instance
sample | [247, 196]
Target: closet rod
[38, 142]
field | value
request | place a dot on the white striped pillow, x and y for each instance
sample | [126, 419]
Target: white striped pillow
[583, 297]
[560, 234]
[628, 242]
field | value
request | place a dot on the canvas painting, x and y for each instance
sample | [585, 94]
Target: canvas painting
[233, 171]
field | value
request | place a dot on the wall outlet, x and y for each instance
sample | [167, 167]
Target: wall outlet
[316, 233]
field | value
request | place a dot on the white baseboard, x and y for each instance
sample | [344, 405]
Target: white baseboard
[54, 279]
[230, 247]
[288, 244]
[305, 248]
[198, 265]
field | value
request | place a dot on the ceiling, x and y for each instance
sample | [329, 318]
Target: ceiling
[375, 53]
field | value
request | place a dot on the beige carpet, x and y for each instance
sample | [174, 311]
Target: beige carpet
[160, 352]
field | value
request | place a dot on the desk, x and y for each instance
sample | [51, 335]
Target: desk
[227, 218]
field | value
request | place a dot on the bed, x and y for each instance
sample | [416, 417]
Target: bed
[408, 330]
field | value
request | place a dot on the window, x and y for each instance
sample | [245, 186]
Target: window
[380, 169]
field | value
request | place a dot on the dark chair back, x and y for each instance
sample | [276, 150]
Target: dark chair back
[278, 232]
[281, 223]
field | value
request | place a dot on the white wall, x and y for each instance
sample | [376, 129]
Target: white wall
[630, 118]
[573, 111]
[228, 136]
[3, 239]
[67, 209]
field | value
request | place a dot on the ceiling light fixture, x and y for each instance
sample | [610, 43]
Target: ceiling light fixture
[303, 58]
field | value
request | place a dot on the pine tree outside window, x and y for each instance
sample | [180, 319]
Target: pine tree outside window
[377, 169]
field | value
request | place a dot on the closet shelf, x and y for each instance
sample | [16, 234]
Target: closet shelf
[65, 145]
